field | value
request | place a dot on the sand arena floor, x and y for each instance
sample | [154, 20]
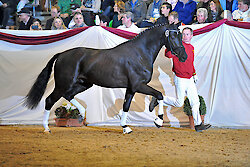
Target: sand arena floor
[107, 146]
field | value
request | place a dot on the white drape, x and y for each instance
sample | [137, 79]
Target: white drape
[221, 62]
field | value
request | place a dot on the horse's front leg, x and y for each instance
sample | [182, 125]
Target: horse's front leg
[128, 98]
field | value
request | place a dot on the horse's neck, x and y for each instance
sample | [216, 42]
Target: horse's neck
[152, 45]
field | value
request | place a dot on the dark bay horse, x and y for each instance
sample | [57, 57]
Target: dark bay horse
[128, 65]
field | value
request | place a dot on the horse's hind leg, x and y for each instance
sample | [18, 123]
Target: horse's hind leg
[128, 98]
[145, 89]
[49, 102]
[157, 99]
[74, 90]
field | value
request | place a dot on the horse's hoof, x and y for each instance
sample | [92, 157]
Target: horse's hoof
[127, 130]
[153, 104]
[47, 131]
[158, 122]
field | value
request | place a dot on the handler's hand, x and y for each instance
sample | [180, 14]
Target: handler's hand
[195, 77]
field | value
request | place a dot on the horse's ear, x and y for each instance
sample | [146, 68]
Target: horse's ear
[178, 24]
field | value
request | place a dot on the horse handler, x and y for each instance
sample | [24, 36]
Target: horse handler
[184, 79]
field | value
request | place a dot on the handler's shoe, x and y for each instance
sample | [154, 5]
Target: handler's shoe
[158, 122]
[153, 104]
[201, 127]
[127, 130]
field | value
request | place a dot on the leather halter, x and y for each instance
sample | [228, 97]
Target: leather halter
[170, 44]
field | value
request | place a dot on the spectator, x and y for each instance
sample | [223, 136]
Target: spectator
[173, 18]
[119, 9]
[107, 6]
[243, 13]
[25, 19]
[69, 21]
[186, 10]
[65, 6]
[89, 9]
[79, 21]
[153, 14]
[203, 4]
[153, 11]
[55, 12]
[138, 8]
[7, 7]
[215, 10]
[36, 25]
[201, 16]
[58, 24]
[166, 8]
[128, 25]
[104, 20]
[231, 5]
[91, 5]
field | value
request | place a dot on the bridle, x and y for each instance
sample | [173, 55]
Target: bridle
[170, 43]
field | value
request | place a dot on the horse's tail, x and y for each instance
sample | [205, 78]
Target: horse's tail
[36, 92]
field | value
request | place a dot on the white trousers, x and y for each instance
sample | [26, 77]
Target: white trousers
[185, 87]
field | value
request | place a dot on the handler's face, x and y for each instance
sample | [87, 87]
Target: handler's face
[186, 36]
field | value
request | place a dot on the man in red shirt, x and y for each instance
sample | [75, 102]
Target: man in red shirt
[184, 79]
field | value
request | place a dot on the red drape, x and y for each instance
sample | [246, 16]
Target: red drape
[38, 40]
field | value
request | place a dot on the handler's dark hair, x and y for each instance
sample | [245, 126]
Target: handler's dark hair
[188, 28]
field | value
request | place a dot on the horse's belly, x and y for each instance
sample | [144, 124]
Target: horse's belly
[108, 80]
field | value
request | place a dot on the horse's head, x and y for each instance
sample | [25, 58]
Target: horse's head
[174, 42]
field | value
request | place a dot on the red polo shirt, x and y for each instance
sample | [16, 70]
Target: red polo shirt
[183, 69]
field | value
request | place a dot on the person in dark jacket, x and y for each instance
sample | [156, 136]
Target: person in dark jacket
[186, 10]
[26, 20]
[166, 8]
[138, 8]
[7, 7]
[119, 9]
[55, 12]
[214, 12]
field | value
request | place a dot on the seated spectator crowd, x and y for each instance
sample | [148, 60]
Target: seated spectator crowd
[123, 14]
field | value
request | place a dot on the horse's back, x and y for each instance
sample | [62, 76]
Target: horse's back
[97, 66]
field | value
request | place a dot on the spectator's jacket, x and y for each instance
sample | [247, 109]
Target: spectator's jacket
[23, 26]
[162, 20]
[183, 69]
[224, 4]
[116, 23]
[49, 23]
[186, 11]
[92, 5]
[151, 8]
[133, 28]
[139, 10]
[65, 5]
[242, 16]
[10, 3]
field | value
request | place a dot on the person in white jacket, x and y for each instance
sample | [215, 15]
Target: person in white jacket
[127, 23]
[243, 13]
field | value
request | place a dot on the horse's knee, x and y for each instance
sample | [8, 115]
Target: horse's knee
[126, 107]
[159, 96]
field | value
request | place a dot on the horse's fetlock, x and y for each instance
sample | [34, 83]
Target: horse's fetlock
[160, 97]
